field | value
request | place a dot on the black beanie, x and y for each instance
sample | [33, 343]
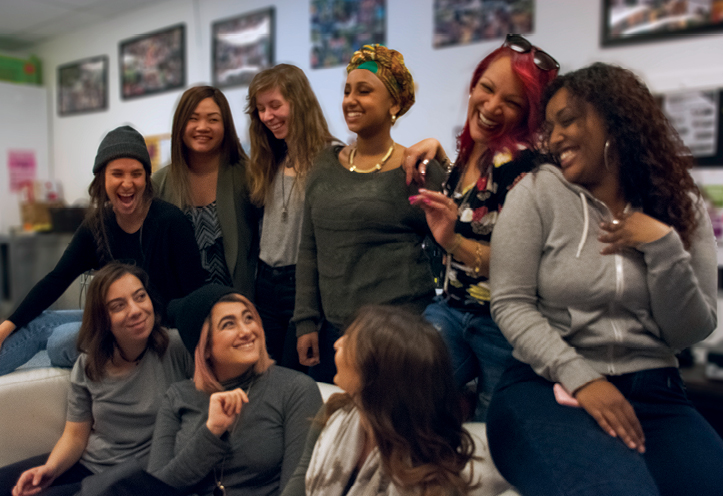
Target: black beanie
[187, 314]
[122, 142]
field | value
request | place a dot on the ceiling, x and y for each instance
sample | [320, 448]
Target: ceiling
[25, 23]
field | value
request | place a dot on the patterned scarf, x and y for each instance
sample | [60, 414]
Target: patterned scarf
[335, 458]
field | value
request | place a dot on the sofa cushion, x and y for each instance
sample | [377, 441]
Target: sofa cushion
[32, 411]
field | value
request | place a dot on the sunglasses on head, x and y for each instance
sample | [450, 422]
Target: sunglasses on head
[543, 60]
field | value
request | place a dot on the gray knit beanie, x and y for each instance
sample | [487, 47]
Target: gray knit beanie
[122, 142]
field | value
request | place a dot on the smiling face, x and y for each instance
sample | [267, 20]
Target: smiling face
[577, 138]
[237, 339]
[204, 129]
[347, 376]
[367, 104]
[275, 112]
[130, 311]
[497, 104]
[125, 182]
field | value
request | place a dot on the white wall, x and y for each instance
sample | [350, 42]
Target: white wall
[24, 110]
[568, 29]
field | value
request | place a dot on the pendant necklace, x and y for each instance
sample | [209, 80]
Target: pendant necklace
[284, 200]
[219, 489]
[376, 168]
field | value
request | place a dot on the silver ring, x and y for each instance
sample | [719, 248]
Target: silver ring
[615, 222]
[425, 161]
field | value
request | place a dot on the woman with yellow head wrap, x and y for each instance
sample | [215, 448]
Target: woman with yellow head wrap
[361, 240]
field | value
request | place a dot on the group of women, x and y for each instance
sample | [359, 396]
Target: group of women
[569, 304]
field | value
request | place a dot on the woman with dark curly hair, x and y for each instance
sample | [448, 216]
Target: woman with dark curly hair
[602, 267]
[397, 428]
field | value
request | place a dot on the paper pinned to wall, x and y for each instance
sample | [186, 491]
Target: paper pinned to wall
[22, 168]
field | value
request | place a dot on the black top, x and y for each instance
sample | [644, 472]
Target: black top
[164, 247]
[478, 209]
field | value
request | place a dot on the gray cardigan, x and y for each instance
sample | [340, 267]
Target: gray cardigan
[239, 220]
[575, 315]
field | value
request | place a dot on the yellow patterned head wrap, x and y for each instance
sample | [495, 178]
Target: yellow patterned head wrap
[388, 65]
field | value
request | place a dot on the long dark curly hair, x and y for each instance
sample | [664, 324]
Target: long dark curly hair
[653, 160]
[409, 398]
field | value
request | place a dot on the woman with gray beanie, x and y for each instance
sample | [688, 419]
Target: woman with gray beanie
[124, 223]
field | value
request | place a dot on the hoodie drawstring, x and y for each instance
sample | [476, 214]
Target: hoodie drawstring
[586, 225]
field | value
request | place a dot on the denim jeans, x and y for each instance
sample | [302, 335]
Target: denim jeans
[476, 346]
[68, 483]
[275, 299]
[39, 334]
[544, 448]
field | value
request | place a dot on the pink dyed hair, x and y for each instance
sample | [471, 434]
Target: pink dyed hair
[534, 80]
[203, 377]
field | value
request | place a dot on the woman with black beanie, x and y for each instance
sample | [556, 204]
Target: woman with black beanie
[125, 223]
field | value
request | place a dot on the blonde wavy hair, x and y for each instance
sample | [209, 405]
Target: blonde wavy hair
[308, 131]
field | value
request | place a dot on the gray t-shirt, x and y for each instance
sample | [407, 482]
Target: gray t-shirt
[123, 409]
[281, 233]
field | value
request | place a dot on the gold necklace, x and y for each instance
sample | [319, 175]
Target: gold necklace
[376, 168]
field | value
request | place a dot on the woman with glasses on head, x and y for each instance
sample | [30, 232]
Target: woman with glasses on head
[287, 132]
[603, 266]
[207, 180]
[496, 148]
[361, 240]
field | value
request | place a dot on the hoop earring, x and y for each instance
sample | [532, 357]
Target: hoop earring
[394, 118]
[605, 154]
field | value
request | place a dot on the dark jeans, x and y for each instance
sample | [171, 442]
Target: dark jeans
[275, 298]
[544, 448]
[476, 346]
[67, 483]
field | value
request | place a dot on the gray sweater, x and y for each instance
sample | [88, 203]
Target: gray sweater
[575, 315]
[260, 454]
[361, 243]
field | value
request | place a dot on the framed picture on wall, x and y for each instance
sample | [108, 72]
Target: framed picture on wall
[470, 21]
[341, 27]
[242, 46]
[632, 21]
[83, 86]
[696, 115]
[153, 63]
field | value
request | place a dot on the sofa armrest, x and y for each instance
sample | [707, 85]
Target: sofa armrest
[33, 404]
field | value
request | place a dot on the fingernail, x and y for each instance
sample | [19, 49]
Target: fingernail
[422, 190]
[412, 198]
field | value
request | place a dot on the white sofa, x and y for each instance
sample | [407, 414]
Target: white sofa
[32, 416]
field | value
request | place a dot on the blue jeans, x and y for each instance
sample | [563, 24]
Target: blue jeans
[54, 330]
[544, 448]
[476, 346]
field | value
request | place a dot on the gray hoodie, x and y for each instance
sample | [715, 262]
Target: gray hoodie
[575, 315]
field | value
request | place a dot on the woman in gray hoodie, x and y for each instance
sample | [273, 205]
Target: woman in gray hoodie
[603, 266]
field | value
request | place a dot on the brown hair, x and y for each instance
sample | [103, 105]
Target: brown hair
[95, 338]
[654, 162]
[100, 212]
[308, 131]
[409, 398]
[203, 377]
[231, 150]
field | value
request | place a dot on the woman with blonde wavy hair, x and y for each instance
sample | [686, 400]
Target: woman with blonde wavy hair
[207, 180]
[287, 132]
